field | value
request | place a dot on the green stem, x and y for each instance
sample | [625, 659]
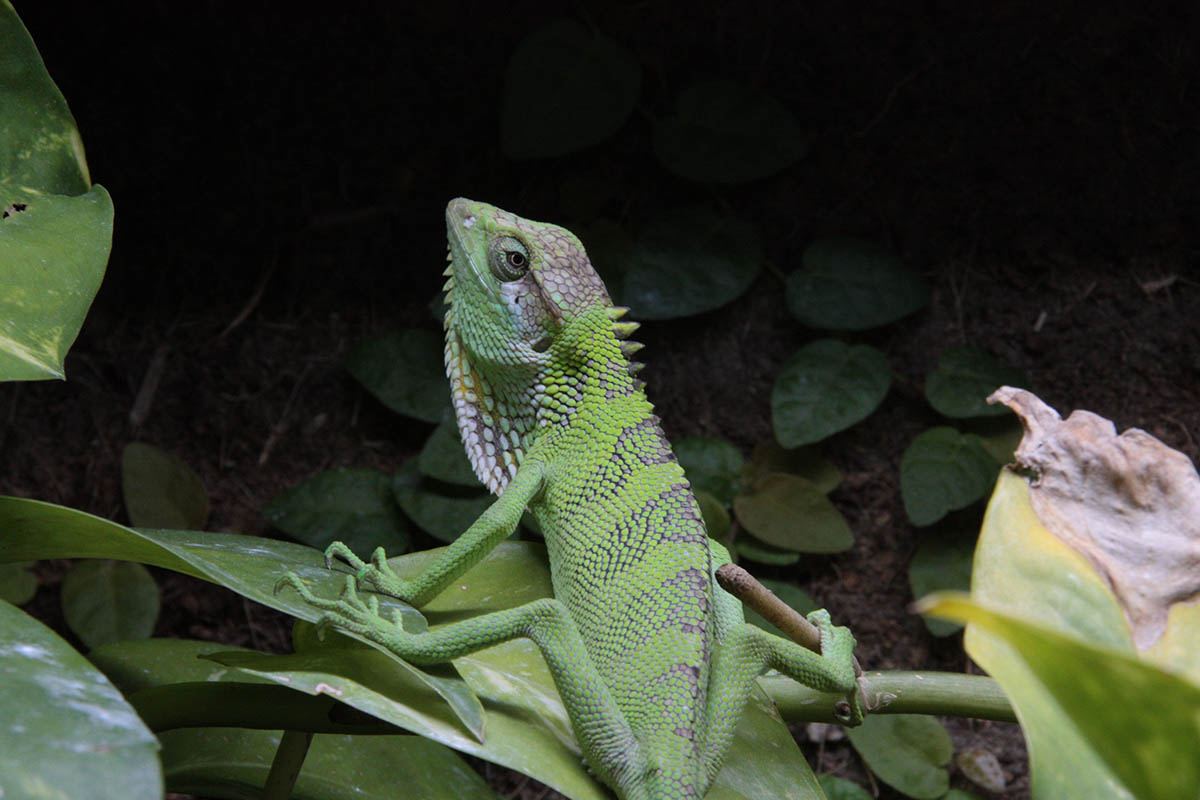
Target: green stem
[949, 694]
[289, 758]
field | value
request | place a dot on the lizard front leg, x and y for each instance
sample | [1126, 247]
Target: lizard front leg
[493, 526]
[604, 735]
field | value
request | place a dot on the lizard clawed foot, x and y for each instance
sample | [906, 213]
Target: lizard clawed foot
[376, 574]
[837, 646]
[349, 612]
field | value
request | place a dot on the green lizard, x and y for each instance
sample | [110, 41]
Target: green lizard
[653, 660]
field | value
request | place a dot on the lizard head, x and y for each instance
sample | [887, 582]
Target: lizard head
[518, 293]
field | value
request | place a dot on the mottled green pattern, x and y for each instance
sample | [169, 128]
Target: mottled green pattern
[652, 659]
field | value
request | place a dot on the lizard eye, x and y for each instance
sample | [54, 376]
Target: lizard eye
[509, 259]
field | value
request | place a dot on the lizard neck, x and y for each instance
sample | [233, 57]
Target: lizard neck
[503, 405]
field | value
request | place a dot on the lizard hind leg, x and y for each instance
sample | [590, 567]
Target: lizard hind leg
[747, 650]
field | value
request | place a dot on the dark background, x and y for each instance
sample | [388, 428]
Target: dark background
[279, 176]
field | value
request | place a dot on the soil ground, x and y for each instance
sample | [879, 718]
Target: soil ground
[279, 181]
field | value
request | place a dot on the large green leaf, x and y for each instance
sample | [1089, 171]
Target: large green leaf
[565, 89]
[1131, 727]
[404, 370]
[943, 470]
[53, 247]
[52, 258]
[907, 751]
[764, 762]
[964, 378]
[852, 285]
[792, 513]
[826, 387]
[726, 132]
[105, 601]
[688, 261]
[66, 732]
[41, 152]
[248, 565]
[233, 763]
[807, 462]
[353, 506]
[1082, 606]
[160, 490]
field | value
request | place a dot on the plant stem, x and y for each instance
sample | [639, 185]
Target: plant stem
[285, 768]
[948, 694]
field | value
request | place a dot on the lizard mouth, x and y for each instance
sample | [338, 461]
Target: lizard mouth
[460, 219]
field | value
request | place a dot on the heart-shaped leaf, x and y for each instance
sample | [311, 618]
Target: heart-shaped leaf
[749, 547]
[942, 562]
[964, 378]
[841, 789]
[404, 370]
[353, 506]
[18, 584]
[807, 462]
[852, 285]
[826, 387]
[907, 751]
[688, 261]
[944, 470]
[106, 601]
[160, 490]
[445, 459]
[712, 465]
[67, 732]
[726, 132]
[789, 512]
[442, 510]
[565, 89]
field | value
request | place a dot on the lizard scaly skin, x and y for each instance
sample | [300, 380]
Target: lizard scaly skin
[653, 660]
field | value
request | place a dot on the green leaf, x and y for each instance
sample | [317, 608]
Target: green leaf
[826, 387]
[67, 732]
[789, 512]
[136, 664]
[716, 518]
[851, 285]
[807, 462]
[712, 465]
[944, 470]
[906, 751]
[160, 490]
[688, 261]
[106, 601]
[942, 561]
[441, 510]
[565, 89]
[353, 506]
[52, 258]
[41, 152]
[444, 458]
[964, 378]
[1120, 722]
[959, 794]
[749, 547]
[842, 789]
[234, 763]
[404, 370]
[18, 584]
[727, 132]
[794, 596]
[248, 565]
